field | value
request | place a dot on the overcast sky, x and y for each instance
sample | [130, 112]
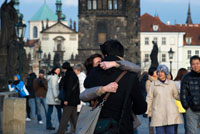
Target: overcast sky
[167, 10]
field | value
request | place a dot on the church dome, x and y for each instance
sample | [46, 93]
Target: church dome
[44, 13]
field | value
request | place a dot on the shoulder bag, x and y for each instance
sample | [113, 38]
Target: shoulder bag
[89, 116]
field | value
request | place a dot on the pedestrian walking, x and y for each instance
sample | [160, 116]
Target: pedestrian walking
[78, 69]
[152, 76]
[180, 74]
[161, 103]
[190, 95]
[40, 87]
[31, 98]
[70, 98]
[52, 96]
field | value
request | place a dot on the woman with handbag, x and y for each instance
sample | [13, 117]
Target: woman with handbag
[161, 103]
[52, 96]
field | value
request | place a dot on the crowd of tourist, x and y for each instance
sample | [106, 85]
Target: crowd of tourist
[155, 94]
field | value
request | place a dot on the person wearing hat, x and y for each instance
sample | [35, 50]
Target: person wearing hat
[52, 96]
[161, 103]
[70, 86]
[40, 87]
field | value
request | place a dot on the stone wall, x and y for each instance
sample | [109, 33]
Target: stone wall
[4, 95]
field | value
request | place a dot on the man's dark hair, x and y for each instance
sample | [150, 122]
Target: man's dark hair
[195, 57]
[151, 70]
[112, 48]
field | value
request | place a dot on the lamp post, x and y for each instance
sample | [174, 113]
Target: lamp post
[171, 54]
[39, 55]
[20, 32]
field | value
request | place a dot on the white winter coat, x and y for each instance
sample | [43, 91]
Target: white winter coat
[53, 90]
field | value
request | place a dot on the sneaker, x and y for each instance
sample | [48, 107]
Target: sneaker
[40, 122]
[28, 119]
[50, 128]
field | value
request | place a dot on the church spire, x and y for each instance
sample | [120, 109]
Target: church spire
[189, 18]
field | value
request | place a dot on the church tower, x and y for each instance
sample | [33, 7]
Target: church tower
[101, 20]
[189, 18]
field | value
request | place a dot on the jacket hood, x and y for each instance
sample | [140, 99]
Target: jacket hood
[18, 76]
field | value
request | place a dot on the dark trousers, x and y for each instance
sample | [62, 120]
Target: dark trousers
[49, 112]
[27, 108]
[169, 129]
[69, 113]
[151, 129]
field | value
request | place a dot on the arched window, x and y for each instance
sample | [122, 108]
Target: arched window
[35, 32]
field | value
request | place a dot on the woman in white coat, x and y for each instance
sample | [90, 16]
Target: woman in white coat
[161, 103]
[52, 96]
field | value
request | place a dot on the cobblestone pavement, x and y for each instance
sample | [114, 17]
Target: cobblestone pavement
[32, 127]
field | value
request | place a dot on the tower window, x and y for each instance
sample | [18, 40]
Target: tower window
[110, 4]
[115, 4]
[89, 4]
[101, 38]
[94, 4]
[35, 32]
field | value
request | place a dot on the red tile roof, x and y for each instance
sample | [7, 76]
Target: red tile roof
[191, 30]
[31, 43]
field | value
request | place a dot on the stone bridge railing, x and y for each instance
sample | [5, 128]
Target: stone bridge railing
[4, 95]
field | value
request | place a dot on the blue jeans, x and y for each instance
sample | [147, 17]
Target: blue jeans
[169, 129]
[39, 102]
[49, 112]
[32, 105]
[192, 121]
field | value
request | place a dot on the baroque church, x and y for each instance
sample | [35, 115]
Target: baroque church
[51, 41]
[101, 20]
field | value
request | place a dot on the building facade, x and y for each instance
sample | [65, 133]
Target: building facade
[167, 37]
[51, 38]
[101, 20]
[183, 39]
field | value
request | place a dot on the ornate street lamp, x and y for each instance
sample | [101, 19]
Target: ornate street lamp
[39, 55]
[20, 29]
[171, 54]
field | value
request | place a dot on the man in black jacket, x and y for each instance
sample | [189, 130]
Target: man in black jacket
[190, 95]
[113, 107]
[70, 84]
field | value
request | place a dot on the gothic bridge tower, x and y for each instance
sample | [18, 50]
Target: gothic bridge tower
[100, 20]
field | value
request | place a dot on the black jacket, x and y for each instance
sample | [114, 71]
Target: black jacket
[113, 106]
[29, 86]
[190, 91]
[70, 84]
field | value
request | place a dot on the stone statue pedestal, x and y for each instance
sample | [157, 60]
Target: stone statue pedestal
[14, 115]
